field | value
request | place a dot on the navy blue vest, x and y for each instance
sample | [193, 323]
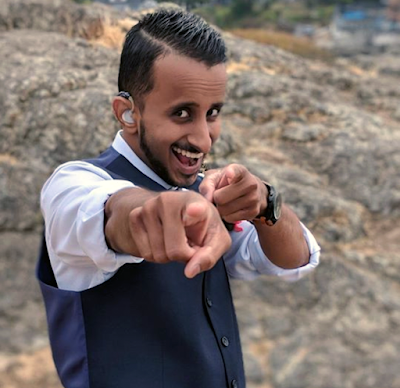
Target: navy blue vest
[146, 327]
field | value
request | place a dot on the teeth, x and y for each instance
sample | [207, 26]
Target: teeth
[187, 153]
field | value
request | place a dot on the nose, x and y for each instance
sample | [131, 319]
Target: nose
[200, 136]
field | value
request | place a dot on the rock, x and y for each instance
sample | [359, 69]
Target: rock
[61, 16]
[397, 114]
[325, 135]
[301, 132]
[22, 315]
[254, 371]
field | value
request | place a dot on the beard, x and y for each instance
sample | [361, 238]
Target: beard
[156, 164]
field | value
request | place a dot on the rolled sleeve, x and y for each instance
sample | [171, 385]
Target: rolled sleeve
[246, 259]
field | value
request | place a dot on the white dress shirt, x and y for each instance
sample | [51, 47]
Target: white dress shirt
[72, 202]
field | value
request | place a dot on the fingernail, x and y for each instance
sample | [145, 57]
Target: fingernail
[195, 271]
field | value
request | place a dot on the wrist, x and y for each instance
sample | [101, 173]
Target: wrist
[271, 213]
[263, 199]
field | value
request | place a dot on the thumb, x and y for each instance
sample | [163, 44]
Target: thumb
[233, 174]
[209, 185]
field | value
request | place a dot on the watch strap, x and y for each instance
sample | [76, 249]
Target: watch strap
[268, 215]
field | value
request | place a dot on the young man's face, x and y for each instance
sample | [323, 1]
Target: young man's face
[181, 118]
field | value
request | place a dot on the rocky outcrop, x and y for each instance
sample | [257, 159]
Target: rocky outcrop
[326, 135]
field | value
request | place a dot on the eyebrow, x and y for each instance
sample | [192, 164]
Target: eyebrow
[191, 104]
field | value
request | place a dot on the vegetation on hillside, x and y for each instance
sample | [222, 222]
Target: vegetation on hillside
[261, 13]
[252, 14]
[301, 46]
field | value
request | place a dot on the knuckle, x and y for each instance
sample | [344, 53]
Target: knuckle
[207, 264]
[164, 199]
[254, 213]
[222, 212]
[253, 186]
[160, 257]
[217, 198]
[148, 256]
[176, 254]
[254, 204]
[134, 215]
[229, 218]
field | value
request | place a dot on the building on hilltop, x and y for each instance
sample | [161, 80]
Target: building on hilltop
[126, 5]
[366, 27]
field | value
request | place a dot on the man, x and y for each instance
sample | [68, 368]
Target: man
[134, 275]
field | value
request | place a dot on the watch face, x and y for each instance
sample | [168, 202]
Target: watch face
[278, 206]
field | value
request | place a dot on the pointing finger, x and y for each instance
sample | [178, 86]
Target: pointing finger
[209, 185]
[217, 241]
[194, 213]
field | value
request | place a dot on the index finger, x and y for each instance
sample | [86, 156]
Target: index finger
[207, 256]
[176, 243]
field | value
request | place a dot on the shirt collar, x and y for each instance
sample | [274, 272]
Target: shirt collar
[122, 147]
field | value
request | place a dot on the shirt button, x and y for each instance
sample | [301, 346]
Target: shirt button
[234, 384]
[225, 341]
[209, 302]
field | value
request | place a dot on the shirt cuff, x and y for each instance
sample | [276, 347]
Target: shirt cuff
[90, 222]
[265, 266]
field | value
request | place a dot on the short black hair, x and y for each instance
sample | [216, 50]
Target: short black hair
[160, 33]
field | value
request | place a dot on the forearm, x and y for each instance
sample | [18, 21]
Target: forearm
[116, 218]
[284, 243]
[169, 226]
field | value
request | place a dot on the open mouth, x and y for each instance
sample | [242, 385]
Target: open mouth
[187, 158]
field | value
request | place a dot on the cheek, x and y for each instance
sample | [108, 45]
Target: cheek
[215, 130]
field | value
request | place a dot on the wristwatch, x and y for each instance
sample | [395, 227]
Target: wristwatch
[272, 212]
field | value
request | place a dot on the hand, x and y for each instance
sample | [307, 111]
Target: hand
[179, 226]
[238, 194]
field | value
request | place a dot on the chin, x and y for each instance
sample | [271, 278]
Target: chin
[186, 180]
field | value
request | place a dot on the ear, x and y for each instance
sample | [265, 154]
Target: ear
[120, 105]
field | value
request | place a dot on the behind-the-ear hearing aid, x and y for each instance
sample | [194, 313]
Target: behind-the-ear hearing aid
[127, 115]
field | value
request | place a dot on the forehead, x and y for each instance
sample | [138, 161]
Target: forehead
[178, 78]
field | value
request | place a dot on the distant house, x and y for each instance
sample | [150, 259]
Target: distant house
[377, 18]
[125, 5]
[366, 27]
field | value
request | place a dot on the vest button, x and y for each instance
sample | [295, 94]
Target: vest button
[234, 384]
[225, 341]
[209, 302]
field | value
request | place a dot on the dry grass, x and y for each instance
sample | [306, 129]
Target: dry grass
[113, 36]
[297, 45]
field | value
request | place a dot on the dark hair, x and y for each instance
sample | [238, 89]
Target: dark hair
[158, 34]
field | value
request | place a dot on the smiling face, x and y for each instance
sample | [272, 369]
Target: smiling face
[180, 119]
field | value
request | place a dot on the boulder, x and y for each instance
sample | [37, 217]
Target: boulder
[325, 134]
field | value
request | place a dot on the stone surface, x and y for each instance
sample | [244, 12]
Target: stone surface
[326, 135]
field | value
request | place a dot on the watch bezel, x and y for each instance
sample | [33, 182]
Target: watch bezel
[272, 212]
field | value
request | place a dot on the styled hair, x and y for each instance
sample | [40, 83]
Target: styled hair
[160, 33]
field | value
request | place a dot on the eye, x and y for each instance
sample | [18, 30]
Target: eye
[182, 113]
[213, 112]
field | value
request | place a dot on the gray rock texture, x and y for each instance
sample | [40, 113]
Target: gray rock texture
[328, 136]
